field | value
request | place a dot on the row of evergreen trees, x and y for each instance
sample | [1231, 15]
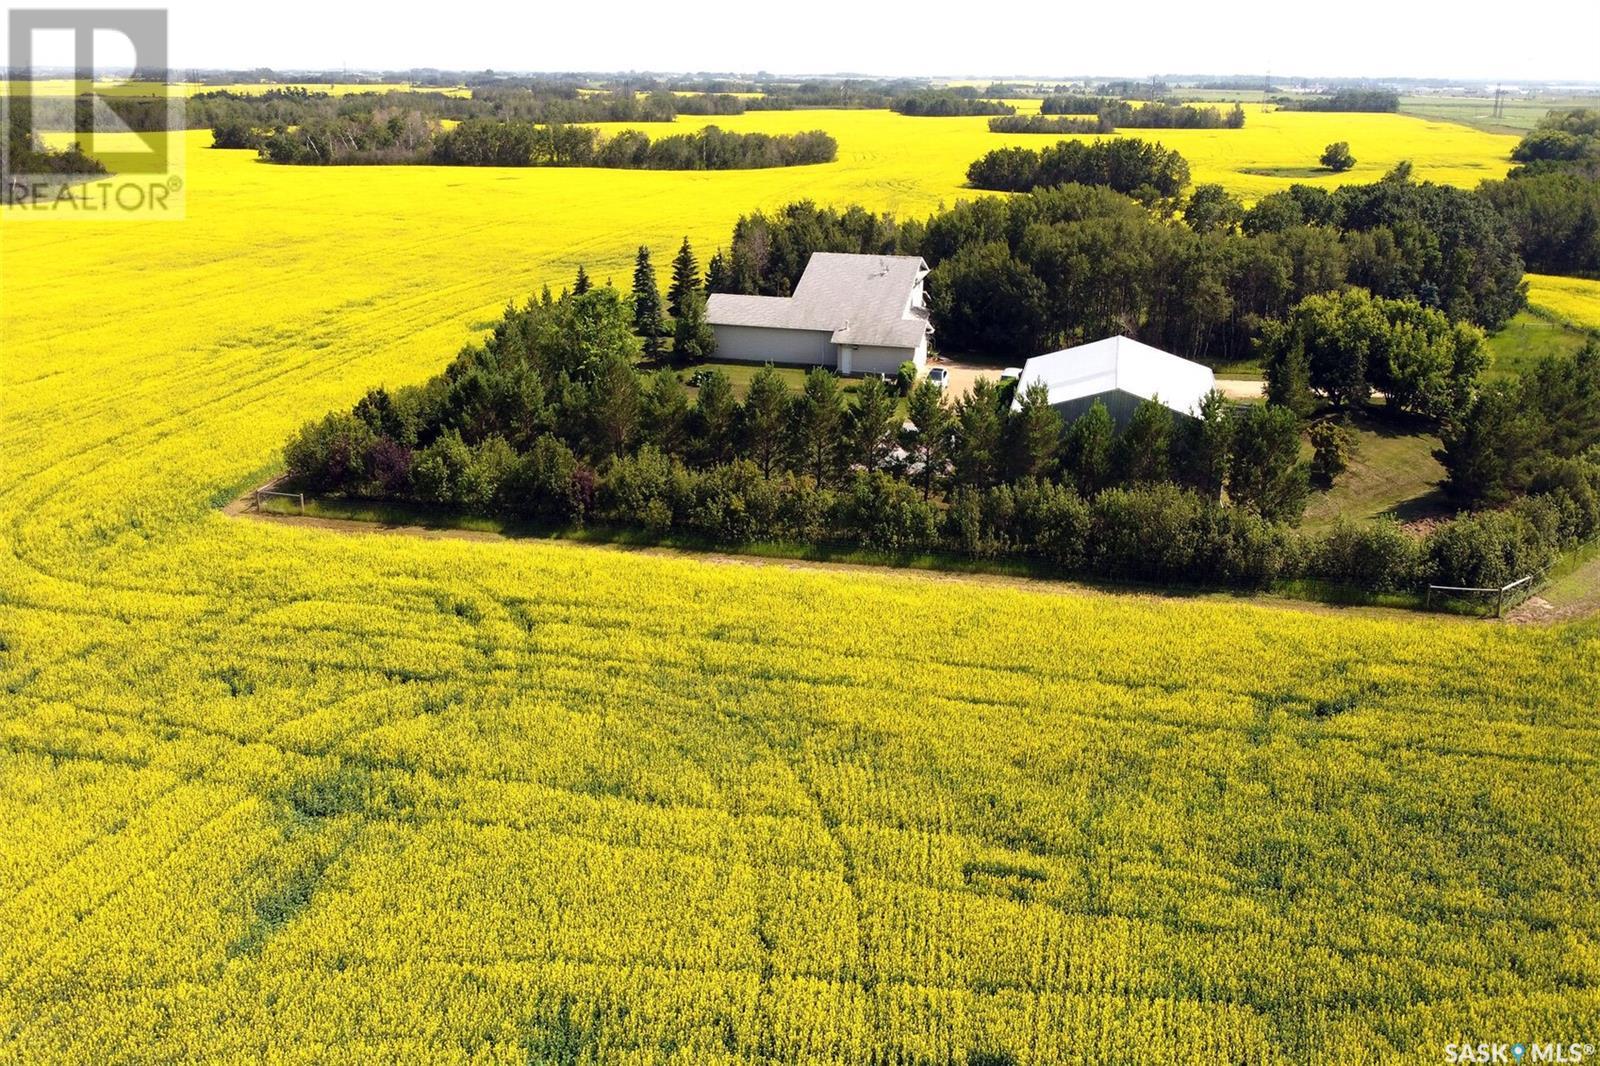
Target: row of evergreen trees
[682, 316]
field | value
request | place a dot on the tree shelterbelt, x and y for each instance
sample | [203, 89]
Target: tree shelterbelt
[551, 419]
[1015, 277]
[1552, 200]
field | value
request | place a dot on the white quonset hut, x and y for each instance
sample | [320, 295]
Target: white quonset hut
[1121, 373]
[859, 314]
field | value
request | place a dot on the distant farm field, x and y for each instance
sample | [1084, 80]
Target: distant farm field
[1574, 300]
[280, 794]
[1516, 114]
[891, 160]
[1275, 148]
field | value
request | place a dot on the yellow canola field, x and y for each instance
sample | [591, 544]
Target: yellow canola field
[1273, 150]
[277, 794]
[1574, 300]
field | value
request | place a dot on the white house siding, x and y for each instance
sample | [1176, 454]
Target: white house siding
[876, 359]
[755, 344]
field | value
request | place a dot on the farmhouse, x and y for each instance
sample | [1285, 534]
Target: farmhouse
[1119, 372]
[859, 314]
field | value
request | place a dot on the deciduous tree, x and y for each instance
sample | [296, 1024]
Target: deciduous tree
[1337, 158]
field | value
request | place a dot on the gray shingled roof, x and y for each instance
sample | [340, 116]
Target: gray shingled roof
[858, 299]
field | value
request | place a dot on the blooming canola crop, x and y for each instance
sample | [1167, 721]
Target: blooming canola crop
[283, 794]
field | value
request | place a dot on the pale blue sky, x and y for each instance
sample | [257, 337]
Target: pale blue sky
[1532, 39]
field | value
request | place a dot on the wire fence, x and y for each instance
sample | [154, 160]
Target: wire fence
[298, 497]
[1525, 584]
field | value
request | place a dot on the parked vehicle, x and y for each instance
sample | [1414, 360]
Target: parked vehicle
[940, 377]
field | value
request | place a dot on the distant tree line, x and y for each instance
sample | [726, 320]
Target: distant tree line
[947, 102]
[1127, 89]
[1008, 90]
[408, 138]
[1156, 114]
[246, 120]
[1075, 104]
[1381, 100]
[1049, 124]
[1119, 114]
[241, 120]
[1127, 165]
[831, 93]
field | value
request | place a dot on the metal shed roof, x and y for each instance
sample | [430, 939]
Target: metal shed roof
[1120, 364]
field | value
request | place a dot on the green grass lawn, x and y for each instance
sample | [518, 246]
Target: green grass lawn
[1575, 579]
[1526, 339]
[1247, 369]
[740, 375]
[1393, 472]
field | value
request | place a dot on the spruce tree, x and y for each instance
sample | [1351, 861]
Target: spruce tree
[647, 304]
[765, 411]
[818, 416]
[693, 340]
[717, 277]
[685, 278]
[1033, 434]
[928, 439]
[1086, 450]
[581, 285]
